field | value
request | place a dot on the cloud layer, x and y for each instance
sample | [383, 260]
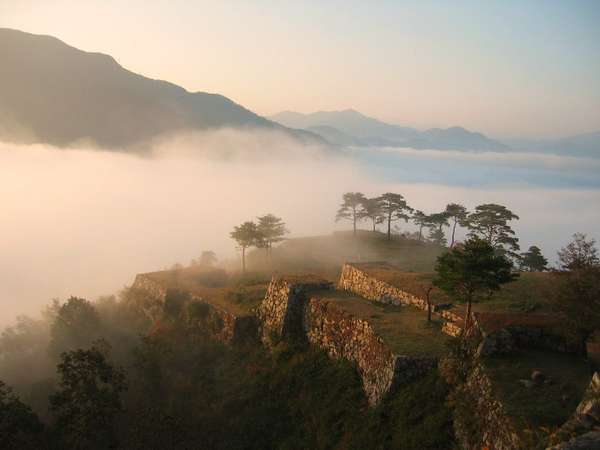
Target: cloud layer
[83, 222]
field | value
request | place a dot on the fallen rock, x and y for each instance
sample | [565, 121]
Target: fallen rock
[537, 377]
[527, 383]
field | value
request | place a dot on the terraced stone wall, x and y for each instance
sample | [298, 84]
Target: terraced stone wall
[293, 309]
[342, 335]
[495, 430]
[223, 325]
[281, 312]
[361, 283]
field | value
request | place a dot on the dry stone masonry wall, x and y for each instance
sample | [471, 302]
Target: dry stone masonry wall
[361, 283]
[224, 326]
[496, 429]
[585, 423]
[281, 312]
[293, 309]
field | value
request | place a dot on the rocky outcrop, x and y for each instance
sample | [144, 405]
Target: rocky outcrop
[585, 423]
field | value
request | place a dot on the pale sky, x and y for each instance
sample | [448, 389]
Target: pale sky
[505, 68]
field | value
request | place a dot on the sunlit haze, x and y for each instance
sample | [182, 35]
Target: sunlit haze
[508, 69]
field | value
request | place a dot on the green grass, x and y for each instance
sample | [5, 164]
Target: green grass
[531, 292]
[550, 404]
[403, 328]
[238, 294]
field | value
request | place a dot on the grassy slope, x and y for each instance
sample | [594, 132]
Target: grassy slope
[236, 293]
[404, 329]
[325, 255]
[546, 405]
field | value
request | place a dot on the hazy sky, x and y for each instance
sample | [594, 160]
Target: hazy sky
[506, 68]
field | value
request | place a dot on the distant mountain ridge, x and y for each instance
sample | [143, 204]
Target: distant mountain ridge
[351, 126]
[581, 145]
[53, 93]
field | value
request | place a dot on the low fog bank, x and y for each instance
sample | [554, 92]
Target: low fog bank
[84, 222]
[482, 169]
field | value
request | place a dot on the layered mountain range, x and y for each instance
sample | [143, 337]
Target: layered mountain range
[55, 94]
[351, 128]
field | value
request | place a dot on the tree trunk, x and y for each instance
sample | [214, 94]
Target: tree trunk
[420, 232]
[428, 298]
[468, 318]
[453, 231]
[244, 259]
[389, 233]
[374, 219]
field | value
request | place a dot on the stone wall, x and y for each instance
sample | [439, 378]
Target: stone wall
[294, 309]
[223, 325]
[585, 423]
[361, 283]
[496, 431]
[281, 312]
[503, 333]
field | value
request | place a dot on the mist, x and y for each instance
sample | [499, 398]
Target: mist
[83, 222]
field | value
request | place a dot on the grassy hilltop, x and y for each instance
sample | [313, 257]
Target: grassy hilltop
[326, 254]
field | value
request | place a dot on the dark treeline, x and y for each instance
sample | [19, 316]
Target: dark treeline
[128, 373]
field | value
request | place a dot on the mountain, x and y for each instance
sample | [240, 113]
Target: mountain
[352, 126]
[585, 145]
[335, 136]
[56, 94]
[349, 122]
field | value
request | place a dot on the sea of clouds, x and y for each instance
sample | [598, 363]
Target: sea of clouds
[83, 221]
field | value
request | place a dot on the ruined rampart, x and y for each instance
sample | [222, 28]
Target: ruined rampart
[224, 325]
[486, 425]
[299, 309]
[354, 279]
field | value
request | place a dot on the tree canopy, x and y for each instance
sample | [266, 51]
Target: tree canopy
[458, 214]
[76, 324]
[436, 222]
[469, 272]
[372, 210]
[20, 427]
[88, 399]
[271, 229]
[421, 220]
[490, 222]
[580, 253]
[208, 258]
[352, 208]
[246, 235]
[532, 260]
[394, 207]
